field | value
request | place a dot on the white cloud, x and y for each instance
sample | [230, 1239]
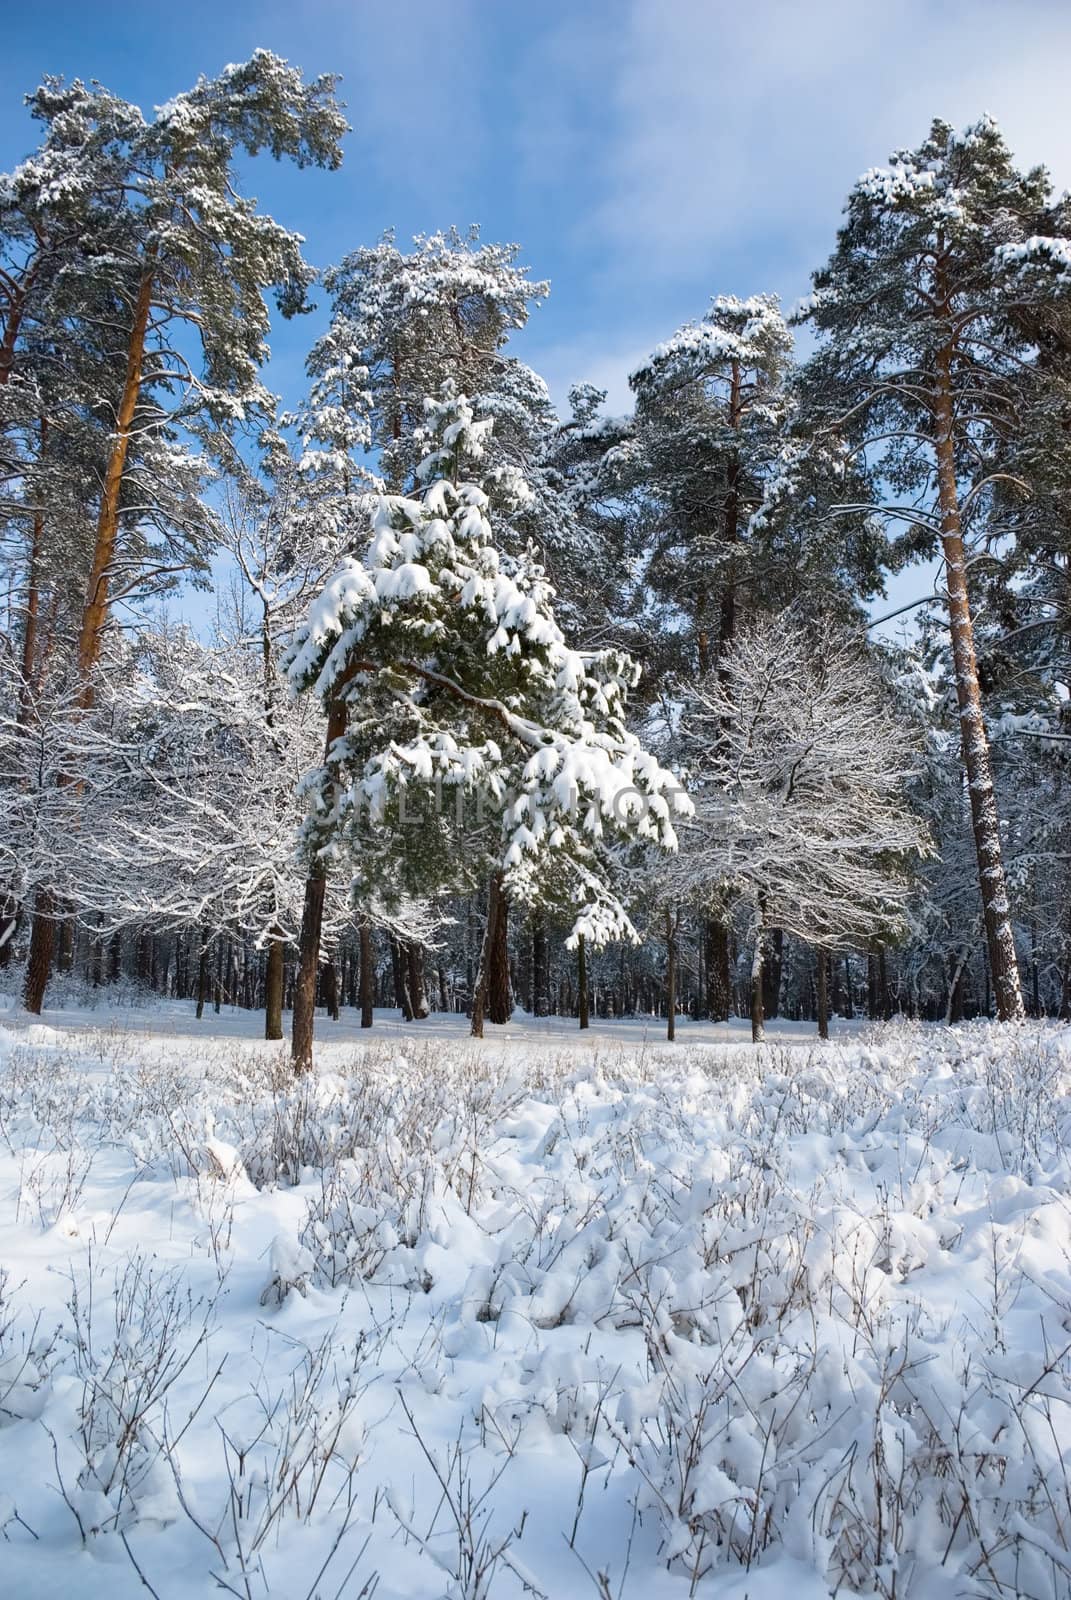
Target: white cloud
[735, 126]
[704, 146]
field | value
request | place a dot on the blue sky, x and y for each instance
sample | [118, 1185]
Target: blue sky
[645, 153]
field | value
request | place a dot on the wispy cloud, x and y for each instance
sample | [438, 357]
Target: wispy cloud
[730, 127]
[698, 146]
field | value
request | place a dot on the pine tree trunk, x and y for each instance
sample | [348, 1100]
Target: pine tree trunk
[883, 984]
[312, 921]
[719, 980]
[758, 1029]
[822, 985]
[273, 987]
[1035, 974]
[18, 303]
[540, 967]
[771, 972]
[582, 998]
[1000, 938]
[217, 986]
[368, 976]
[331, 988]
[499, 999]
[202, 974]
[64, 942]
[471, 928]
[671, 977]
[39, 964]
[873, 1006]
[954, 1004]
[95, 611]
[16, 312]
[398, 974]
[487, 956]
[418, 998]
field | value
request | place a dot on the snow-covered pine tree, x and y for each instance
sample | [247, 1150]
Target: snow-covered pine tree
[58, 377]
[196, 255]
[444, 671]
[168, 246]
[712, 412]
[725, 476]
[711, 408]
[402, 323]
[921, 308]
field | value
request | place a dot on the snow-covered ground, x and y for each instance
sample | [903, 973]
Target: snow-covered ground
[552, 1315]
[171, 1017]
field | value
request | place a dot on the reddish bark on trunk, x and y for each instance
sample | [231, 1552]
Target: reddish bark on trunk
[1000, 939]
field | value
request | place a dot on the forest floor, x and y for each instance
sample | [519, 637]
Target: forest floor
[168, 1018]
[552, 1315]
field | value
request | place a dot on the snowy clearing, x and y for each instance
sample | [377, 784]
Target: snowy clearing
[594, 1316]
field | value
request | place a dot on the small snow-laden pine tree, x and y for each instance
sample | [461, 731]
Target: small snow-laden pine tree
[447, 675]
[929, 310]
[800, 768]
[283, 546]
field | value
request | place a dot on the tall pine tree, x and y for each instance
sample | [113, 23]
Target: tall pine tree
[921, 308]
